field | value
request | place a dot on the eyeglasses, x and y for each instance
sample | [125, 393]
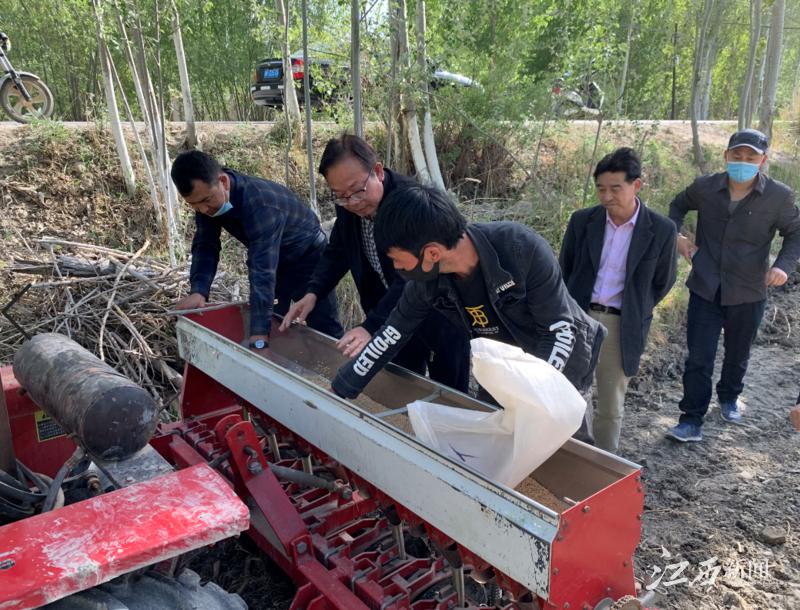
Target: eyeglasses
[355, 196]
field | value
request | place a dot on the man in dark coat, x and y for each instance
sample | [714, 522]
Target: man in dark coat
[619, 261]
[360, 184]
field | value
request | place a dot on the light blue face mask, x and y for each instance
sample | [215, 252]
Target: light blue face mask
[226, 207]
[742, 172]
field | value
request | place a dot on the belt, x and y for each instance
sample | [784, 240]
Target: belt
[605, 309]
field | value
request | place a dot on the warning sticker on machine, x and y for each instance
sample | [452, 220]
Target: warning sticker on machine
[46, 427]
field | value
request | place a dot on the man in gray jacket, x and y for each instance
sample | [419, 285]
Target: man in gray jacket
[498, 280]
[738, 213]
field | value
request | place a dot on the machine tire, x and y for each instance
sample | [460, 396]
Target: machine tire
[152, 591]
[15, 106]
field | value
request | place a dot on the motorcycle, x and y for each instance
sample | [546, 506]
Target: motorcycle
[23, 96]
[570, 103]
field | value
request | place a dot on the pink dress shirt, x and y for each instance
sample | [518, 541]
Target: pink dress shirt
[610, 281]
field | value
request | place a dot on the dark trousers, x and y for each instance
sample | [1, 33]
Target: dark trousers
[585, 432]
[706, 319]
[291, 282]
[441, 349]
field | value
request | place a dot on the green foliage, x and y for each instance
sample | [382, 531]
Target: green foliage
[514, 49]
[787, 172]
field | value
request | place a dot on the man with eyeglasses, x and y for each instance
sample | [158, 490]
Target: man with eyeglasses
[359, 184]
[282, 235]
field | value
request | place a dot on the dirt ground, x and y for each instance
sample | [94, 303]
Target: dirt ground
[729, 501]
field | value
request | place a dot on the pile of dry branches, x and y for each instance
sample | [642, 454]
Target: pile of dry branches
[114, 303]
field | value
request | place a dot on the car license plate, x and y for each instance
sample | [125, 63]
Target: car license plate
[271, 72]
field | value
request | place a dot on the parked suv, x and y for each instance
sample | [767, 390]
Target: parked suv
[327, 76]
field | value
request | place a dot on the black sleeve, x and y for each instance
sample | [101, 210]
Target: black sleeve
[412, 308]
[566, 256]
[205, 254]
[684, 202]
[549, 305]
[332, 266]
[666, 268]
[789, 228]
[378, 315]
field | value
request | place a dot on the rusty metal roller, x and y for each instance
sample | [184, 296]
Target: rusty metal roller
[112, 416]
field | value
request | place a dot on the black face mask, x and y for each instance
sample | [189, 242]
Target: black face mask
[417, 274]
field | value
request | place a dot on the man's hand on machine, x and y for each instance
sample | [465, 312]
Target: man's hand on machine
[299, 311]
[353, 341]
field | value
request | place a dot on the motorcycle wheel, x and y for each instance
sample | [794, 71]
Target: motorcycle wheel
[21, 110]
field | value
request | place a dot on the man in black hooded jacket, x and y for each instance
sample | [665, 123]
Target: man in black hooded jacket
[498, 280]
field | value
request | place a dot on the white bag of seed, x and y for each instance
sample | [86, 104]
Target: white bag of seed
[541, 410]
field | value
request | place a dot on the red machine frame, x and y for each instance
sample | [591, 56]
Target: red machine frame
[339, 548]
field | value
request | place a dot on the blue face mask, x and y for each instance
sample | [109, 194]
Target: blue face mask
[742, 172]
[226, 207]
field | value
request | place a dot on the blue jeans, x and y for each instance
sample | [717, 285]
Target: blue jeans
[706, 319]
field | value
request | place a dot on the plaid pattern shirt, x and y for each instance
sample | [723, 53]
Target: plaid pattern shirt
[370, 249]
[272, 223]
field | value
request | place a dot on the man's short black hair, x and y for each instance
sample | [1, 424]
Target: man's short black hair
[621, 160]
[193, 165]
[347, 145]
[414, 216]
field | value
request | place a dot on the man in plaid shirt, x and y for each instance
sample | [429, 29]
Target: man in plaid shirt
[282, 235]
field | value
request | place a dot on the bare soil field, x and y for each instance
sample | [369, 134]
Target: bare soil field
[734, 497]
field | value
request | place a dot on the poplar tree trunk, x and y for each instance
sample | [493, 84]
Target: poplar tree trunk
[391, 117]
[408, 106]
[694, 103]
[155, 155]
[796, 88]
[772, 67]
[626, 64]
[747, 86]
[289, 94]
[111, 99]
[708, 76]
[431, 158]
[312, 184]
[186, 93]
[355, 65]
